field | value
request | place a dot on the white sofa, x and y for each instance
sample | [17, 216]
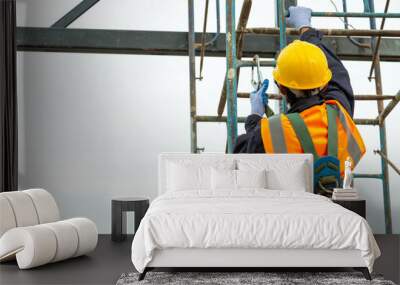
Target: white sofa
[31, 231]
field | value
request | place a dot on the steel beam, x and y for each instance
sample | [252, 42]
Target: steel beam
[175, 43]
[74, 14]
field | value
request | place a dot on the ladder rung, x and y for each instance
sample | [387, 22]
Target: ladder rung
[367, 175]
[249, 63]
[217, 119]
[372, 122]
[356, 97]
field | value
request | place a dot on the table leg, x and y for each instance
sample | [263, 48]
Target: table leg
[118, 222]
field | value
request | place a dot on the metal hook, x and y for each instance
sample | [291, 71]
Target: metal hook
[256, 84]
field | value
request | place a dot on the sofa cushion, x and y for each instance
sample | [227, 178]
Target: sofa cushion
[7, 220]
[23, 208]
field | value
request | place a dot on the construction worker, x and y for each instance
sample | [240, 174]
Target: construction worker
[317, 88]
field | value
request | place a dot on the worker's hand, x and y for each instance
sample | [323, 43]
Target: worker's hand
[299, 17]
[258, 99]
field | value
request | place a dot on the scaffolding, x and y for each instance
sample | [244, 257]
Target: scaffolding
[234, 52]
[376, 44]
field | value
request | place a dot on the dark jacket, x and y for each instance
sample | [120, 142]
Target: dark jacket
[339, 88]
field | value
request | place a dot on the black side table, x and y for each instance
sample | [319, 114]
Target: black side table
[119, 207]
[357, 206]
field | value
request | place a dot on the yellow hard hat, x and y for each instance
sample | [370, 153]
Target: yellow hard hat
[302, 65]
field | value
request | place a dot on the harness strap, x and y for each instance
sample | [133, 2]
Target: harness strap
[332, 131]
[302, 133]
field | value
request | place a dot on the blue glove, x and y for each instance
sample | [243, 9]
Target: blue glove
[258, 99]
[299, 17]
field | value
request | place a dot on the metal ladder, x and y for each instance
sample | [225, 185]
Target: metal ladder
[234, 44]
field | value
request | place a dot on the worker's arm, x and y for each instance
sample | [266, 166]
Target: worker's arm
[251, 141]
[339, 87]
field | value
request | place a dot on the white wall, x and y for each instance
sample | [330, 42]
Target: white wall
[91, 126]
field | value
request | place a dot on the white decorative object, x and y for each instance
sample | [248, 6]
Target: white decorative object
[31, 231]
[348, 175]
[345, 194]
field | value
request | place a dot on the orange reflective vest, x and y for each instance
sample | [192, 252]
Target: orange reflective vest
[279, 136]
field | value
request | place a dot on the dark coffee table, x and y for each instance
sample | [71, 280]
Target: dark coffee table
[119, 207]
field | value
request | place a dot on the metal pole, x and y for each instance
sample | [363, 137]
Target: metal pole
[231, 76]
[282, 41]
[74, 13]
[355, 15]
[382, 127]
[378, 42]
[217, 119]
[192, 79]
[250, 63]
[367, 175]
[218, 25]
[395, 168]
[327, 32]
[356, 97]
[346, 26]
[386, 111]
[243, 18]
[203, 40]
[372, 122]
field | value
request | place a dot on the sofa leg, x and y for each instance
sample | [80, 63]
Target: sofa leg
[142, 275]
[364, 271]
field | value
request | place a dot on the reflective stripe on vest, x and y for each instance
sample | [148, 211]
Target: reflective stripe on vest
[352, 146]
[275, 127]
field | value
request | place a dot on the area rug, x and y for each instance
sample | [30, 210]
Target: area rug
[244, 278]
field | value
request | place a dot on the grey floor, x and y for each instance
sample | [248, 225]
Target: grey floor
[110, 260]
